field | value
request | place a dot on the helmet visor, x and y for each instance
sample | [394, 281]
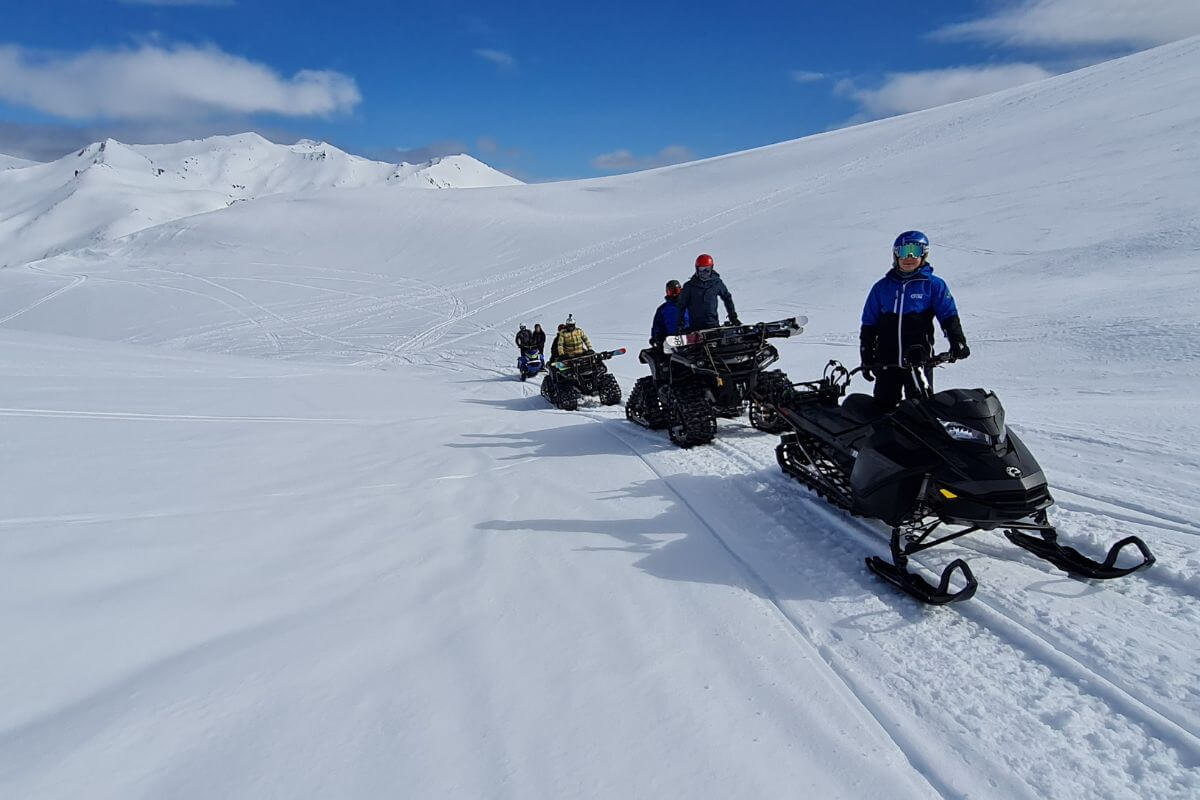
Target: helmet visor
[911, 250]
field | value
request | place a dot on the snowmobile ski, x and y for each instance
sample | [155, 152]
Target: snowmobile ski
[1070, 560]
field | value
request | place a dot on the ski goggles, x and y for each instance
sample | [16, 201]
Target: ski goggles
[911, 250]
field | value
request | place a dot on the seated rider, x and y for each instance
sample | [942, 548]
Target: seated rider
[698, 300]
[666, 317]
[899, 313]
[571, 341]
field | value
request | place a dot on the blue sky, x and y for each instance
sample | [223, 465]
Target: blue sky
[543, 90]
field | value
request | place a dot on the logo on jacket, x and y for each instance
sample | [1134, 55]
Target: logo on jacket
[916, 296]
[1013, 472]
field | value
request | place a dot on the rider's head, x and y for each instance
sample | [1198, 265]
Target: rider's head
[909, 251]
[704, 265]
[537, 326]
[569, 325]
[673, 289]
[522, 326]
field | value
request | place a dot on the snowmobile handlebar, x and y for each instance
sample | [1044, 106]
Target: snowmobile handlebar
[911, 361]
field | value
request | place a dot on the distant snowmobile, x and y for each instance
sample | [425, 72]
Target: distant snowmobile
[708, 374]
[529, 363]
[569, 379]
[944, 458]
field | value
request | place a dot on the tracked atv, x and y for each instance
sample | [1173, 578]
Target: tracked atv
[708, 374]
[944, 458]
[569, 379]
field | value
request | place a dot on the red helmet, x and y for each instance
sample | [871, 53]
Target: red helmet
[704, 260]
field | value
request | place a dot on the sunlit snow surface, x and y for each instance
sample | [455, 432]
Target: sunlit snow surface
[279, 521]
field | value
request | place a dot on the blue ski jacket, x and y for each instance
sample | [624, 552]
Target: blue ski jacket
[666, 321]
[698, 301]
[900, 309]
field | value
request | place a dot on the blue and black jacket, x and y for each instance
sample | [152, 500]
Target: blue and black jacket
[899, 313]
[666, 321]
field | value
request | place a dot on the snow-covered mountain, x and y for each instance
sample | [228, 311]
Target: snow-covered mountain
[278, 519]
[12, 162]
[108, 189]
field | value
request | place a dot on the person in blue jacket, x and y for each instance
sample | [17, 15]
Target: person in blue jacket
[699, 297]
[666, 317]
[899, 313]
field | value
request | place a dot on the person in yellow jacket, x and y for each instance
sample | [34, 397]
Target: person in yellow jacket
[570, 342]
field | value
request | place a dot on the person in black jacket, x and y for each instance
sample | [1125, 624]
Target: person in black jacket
[524, 338]
[539, 339]
[698, 300]
[899, 313]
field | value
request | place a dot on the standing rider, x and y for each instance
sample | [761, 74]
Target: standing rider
[539, 339]
[697, 302]
[525, 339]
[899, 313]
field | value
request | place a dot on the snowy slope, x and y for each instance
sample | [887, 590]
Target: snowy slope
[280, 521]
[12, 162]
[108, 189]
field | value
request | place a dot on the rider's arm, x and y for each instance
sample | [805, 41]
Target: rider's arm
[728, 298]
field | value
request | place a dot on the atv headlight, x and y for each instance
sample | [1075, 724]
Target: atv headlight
[963, 433]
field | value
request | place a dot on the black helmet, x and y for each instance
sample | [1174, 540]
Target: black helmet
[673, 289]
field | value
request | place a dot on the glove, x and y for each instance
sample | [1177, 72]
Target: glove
[867, 338]
[733, 320]
[958, 342]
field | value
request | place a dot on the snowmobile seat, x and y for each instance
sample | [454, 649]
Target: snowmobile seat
[860, 408]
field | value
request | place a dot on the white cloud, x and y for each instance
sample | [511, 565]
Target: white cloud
[498, 57]
[625, 161]
[903, 92]
[806, 76]
[1139, 23]
[156, 82]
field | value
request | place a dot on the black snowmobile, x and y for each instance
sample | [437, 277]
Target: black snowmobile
[708, 374]
[569, 379]
[945, 458]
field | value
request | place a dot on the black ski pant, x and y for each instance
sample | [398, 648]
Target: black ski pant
[890, 382]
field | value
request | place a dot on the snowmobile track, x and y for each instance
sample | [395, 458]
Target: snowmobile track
[1005, 620]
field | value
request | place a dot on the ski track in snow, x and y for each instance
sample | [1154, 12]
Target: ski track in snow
[1014, 644]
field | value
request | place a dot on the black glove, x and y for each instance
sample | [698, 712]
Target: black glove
[733, 320]
[958, 341]
[867, 337]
